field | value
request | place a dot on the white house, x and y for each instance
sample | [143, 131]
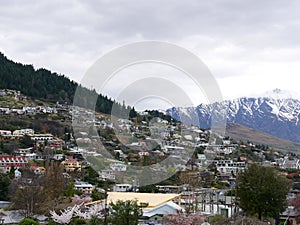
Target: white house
[155, 215]
[290, 164]
[84, 187]
[229, 167]
[26, 131]
[122, 187]
[41, 137]
[107, 174]
[5, 132]
[118, 167]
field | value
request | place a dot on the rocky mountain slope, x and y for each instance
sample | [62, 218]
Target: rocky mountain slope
[277, 114]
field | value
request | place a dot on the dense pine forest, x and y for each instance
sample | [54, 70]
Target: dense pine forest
[48, 86]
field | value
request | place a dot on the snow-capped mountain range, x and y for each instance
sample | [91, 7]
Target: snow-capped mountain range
[277, 113]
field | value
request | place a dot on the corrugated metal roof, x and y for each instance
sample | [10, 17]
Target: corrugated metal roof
[153, 199]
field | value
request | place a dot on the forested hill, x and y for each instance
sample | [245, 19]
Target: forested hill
[44, 84]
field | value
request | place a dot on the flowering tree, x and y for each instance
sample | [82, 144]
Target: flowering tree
[94, 211]
[296, 202]
[66, 215]
[81, 200]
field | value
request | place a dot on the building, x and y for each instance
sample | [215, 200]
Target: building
[71, 165]
[39, 170]
[118, 167]
[290, 164]
[5, 132]
[55, 144]
[23, 132]
[290, 217]
[84, 187]
[107, 175]
[154, 205]
[152, 200]
[23, 151]
[148, 200]
[156, 214]
[229, 167]
[169, 188]
[41, 137]
[122, 187]
[7, 162]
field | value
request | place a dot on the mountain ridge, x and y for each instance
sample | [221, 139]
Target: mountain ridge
[51, 87]
[278, 117]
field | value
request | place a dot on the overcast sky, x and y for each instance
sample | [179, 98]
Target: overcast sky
[250, 46]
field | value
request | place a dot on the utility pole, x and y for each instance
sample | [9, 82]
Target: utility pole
[105, 203]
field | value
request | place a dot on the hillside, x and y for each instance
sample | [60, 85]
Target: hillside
[47, 86]
[239, 132]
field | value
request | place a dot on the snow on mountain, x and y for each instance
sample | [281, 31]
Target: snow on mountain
[276, 113]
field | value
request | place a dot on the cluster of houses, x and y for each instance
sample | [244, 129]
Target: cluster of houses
[8, 162]
[13, 94]
[29, 109]
[17, 134]
[217, 161]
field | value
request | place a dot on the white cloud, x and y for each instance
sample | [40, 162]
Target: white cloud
[256, 42]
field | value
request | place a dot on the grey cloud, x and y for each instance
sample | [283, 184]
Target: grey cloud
[68, 36]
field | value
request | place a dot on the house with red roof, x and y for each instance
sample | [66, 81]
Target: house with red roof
[71, 165]
[7, 162]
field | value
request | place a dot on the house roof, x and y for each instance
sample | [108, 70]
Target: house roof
[70, 160]
[290, 213]
[166, 208]
[152, 199]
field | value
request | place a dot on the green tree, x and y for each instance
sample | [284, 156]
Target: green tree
[26, 142]
[125, 213]
[90, 175]
[95, 221]
[4, 187]
[12, 172]
[261, 192]
[29, 221]
[1, 146]
[70, 189]
[96, 195]
[151, 188]
[132, 113]
[78, 221]
[51, 222]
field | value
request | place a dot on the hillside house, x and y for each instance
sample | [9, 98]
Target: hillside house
[118, 167]
[23, 132]
[5, 132]
[290, 164]
[122, 187]
[107, 175]
[71, 165]
[41, 137]
[23, 151]
[229, 166]
[39, 170]
[84, 187]
[7, 162]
